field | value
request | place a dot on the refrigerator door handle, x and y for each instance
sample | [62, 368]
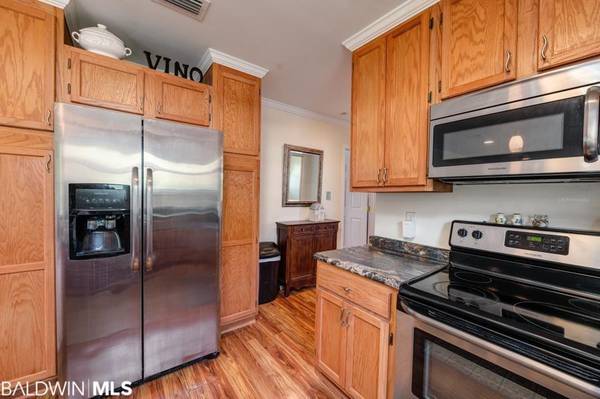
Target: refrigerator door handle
[135, 216]
[149, 221]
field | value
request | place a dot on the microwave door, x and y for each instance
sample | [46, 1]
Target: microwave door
[530, 138]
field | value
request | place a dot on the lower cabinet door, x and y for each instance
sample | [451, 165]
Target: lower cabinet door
[367, 354]
[331, 336]
[27, 326]
[301, 262]
[239, 235]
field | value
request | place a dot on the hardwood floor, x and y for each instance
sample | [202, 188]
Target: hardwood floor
[273, 358]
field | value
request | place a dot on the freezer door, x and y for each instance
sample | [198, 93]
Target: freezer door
[99, 316]
[182, 175]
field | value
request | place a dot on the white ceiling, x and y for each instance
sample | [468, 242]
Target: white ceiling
[299, 42]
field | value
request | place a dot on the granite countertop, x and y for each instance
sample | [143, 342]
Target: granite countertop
[391, 262]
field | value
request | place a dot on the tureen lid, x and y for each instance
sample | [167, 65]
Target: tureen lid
[101, 30]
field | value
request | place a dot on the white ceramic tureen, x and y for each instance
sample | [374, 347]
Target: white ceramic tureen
[101, 41]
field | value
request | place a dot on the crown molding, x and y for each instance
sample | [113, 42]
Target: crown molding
[56, 3]
[305, 113]
[400, 14]
[215, 56]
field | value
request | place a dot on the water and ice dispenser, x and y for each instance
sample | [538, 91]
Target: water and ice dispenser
[99, 220]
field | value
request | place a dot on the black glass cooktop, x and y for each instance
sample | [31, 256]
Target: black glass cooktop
[569, 320]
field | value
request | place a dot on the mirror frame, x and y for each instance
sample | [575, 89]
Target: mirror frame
[287, 148]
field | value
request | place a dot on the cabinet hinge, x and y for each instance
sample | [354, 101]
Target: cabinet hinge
[391, 339]
[209, 99]
[69, 63]
[209, 118]
[429, 97]
[68, 88]
[431, 23]
[441, 18]
[439, 86]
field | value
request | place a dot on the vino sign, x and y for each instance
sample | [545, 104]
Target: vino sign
[179, 69]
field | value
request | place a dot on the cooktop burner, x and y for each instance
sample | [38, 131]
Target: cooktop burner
[558, 316]
[467, 294]
[472, 277]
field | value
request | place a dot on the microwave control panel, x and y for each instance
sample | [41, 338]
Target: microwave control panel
[554, 244]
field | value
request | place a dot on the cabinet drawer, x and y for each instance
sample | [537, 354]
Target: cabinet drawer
[303, 229]
[375, 297]
[325, 227]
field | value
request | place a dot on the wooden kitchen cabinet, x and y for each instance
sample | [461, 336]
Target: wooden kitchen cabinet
[177, 99]
[390, 100]
[331, 336]
[407, 119]
[236, 109]
[569, 31]
[27, 53]
[479, 41]
[355, 321]
[368, 113]
[105, 82]
[27, 320]
[367, 354]
[239, 263]
[298, 241]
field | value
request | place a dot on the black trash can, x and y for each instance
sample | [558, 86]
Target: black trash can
[269, 270]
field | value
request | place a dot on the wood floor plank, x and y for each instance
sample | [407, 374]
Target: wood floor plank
[272, 358]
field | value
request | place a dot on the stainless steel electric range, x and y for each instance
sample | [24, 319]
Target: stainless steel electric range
[515, 314]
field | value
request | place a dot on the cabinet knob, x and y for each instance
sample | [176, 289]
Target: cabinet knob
[347, 290]
[49, 117]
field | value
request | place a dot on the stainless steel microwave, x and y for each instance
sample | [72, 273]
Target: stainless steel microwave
[538, 128]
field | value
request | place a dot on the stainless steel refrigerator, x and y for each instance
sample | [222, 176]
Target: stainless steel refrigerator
[138, 209]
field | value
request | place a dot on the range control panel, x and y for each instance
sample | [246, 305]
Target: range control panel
[550, 243]
[570, 247]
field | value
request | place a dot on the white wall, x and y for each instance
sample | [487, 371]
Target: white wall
[573, 205]
[281, 127]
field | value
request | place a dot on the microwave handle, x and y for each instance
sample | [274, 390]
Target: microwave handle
[591, 119]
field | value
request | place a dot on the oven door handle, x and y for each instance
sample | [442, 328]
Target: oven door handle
[591, 119]
[531, 364]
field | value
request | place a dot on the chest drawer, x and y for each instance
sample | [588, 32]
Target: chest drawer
[308, 229]
[372, 296]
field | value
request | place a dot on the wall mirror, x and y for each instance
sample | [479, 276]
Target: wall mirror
[302, 175]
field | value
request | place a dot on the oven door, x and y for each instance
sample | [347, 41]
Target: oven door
[445, 363]
[555, 134]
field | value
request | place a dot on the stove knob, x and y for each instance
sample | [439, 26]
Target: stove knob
[477, 234]
[462, 232]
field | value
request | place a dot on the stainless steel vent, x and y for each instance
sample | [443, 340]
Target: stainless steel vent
[192, 8]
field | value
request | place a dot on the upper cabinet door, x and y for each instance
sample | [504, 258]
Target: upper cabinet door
[105, 82]
[406, 103]
[178, 99]
[27, 65]
[237, 109]
[569, 30]
[368, 113]
[479, 39]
